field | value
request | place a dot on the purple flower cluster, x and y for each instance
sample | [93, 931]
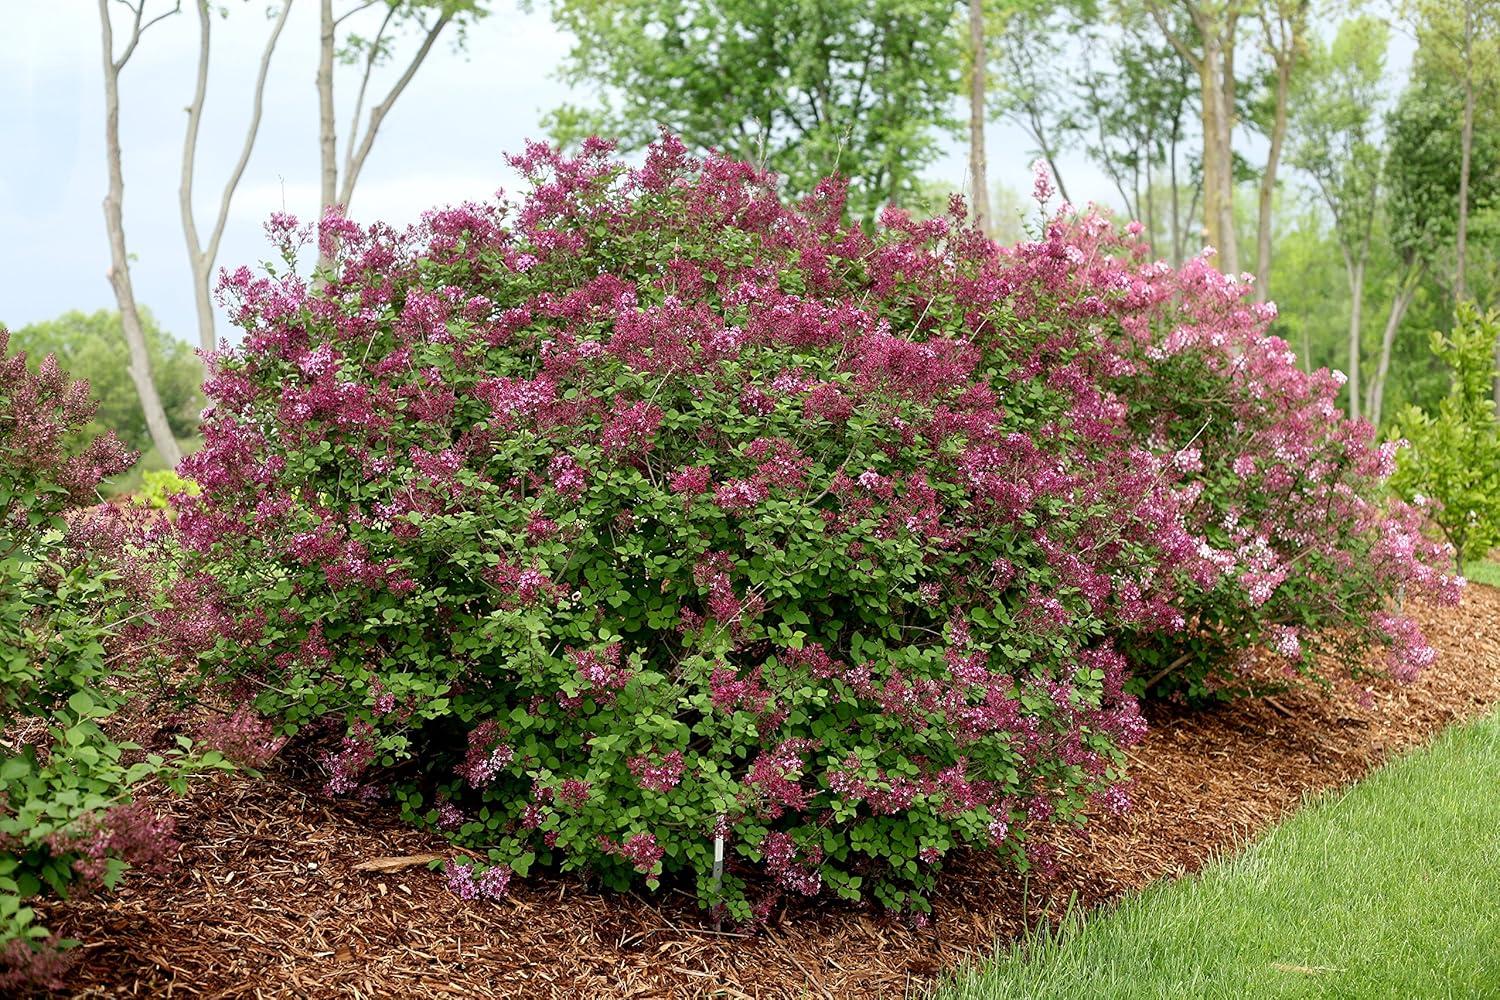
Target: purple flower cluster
[491, 883]
[659, 776]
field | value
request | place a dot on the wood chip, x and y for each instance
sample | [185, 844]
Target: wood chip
[396, 864]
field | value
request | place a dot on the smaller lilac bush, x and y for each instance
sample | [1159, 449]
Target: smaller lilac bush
[69, 581]
[1301, 548]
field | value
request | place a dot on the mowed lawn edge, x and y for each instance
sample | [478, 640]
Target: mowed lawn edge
[1390, 888]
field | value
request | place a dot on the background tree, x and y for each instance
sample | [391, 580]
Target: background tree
[1312, 296]
[807, 88]
[203, 253]
[1284, 30]
[1335, 127]
[1010, 210]
[1210, 51]
[979, 183]
[1027, 57]
[1136, 101]
[92, 346]
[1423, 173]
[114, 220]
[1462, 39]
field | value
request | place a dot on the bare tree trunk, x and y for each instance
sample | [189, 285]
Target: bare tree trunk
[327, 137]
[1230, 251]
[1150, 207]
[1176, 204]
[1466, 156]
[335, 193]
[1284, 23]
[1356, 310]
[1405, 292]
[1218, 157]
[201, 300]
[1209, 88]
[1193, 203]
[978, 171]
[201, 259]
[355, 163]
[1216, 25]
[1268, 180]
[114, 221]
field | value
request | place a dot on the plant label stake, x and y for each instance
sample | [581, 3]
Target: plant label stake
[718, 875]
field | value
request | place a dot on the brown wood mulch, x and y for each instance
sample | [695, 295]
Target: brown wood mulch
[270, 898]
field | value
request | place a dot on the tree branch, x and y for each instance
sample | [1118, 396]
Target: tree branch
[364, 83]
[257, 107]
[137, 29]
[190, 138]
[1171, 36]
[366, 5]
[378, 113]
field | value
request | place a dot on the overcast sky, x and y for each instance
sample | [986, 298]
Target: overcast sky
[443, 143]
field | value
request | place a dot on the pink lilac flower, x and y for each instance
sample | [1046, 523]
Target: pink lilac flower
[630, 428]
[660, 776]
[640, 849]
[574, 792]
[691, 480]
[492, 883]
[349, 763]
[567, 477]
[449, 815]
[1408, 653]
[1286, 642]
[800, 874]
[775, 776]
[1041, 188]
[487, 756]
[243, 736]
[602, 670]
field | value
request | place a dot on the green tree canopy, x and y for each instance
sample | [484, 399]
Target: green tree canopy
[1336, 142]
[805, 87]
[92, 346]
[1422, 166]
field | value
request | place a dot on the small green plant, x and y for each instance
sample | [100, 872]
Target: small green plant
[1452, 464]
[159, 486]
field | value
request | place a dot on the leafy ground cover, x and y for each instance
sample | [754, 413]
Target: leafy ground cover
[1387, 889]
[276, 893]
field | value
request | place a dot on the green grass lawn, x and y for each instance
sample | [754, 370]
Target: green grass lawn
[1483, 571]
[1391, 889]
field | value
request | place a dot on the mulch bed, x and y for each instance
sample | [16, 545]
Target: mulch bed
[269, 899]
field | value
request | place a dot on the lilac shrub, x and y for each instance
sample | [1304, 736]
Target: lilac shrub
[651, 514]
